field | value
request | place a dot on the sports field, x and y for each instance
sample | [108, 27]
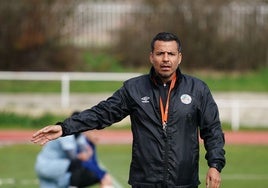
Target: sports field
[246, 165]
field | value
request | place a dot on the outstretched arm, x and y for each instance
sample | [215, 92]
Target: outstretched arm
[46, 134]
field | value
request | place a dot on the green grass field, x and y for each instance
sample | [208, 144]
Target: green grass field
[246, 165]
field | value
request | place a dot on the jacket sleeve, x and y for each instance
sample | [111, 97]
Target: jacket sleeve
[107, 112]
[211, 131]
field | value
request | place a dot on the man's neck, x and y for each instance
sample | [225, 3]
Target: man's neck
[168, 79]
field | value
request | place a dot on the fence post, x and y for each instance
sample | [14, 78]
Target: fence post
[235, 122]
[65, 90]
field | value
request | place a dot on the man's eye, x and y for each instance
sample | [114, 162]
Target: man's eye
[171, 54]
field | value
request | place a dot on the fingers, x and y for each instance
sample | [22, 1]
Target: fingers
[213, 183]
[207, 182]
[213, 179]
[41, 131]
[40, 139]
[45, 134]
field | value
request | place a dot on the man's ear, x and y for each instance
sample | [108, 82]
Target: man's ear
[180, 58]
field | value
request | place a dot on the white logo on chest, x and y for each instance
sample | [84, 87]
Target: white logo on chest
[145, 99]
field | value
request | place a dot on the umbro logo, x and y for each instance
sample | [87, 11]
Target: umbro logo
[145, 99]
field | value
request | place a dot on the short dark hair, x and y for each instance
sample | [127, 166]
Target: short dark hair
[165, 36]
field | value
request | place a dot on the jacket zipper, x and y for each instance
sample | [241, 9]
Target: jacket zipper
[165, 154]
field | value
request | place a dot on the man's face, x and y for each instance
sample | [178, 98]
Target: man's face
[165, 59]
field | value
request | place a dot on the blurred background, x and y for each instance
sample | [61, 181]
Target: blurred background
[57, 56]
[57, 35]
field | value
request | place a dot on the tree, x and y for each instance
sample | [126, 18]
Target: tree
[212, 35]
[31, 35]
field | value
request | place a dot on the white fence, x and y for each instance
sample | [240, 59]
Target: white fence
[237, 108]
[244, 110]
[65, 78]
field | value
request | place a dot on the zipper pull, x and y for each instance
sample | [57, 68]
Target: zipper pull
[165, 128]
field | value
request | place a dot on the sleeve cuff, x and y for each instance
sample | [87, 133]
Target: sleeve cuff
[215, 165]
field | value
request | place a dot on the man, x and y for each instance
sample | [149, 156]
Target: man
[167, 110]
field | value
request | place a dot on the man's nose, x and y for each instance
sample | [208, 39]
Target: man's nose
[166, 57]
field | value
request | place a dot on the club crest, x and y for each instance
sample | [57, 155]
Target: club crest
[186, 99]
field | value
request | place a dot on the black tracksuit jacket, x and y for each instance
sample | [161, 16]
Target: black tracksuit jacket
[161, 157]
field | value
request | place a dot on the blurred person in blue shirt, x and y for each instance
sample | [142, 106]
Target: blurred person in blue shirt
[93, 165]
[58, 164]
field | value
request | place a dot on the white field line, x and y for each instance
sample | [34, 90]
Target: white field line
[249, 177]
[13, 181]
[243, 176]
[116, 183]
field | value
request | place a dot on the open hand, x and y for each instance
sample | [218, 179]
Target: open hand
[46, 134]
